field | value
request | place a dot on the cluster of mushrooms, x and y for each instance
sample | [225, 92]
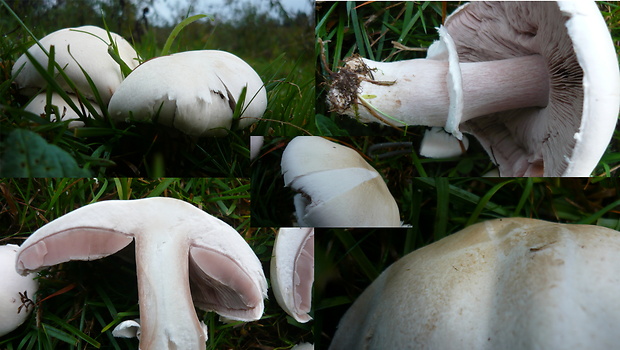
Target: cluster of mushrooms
[201, 93]
[185, 258]
[540, 99]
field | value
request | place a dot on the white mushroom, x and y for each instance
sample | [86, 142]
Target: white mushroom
[337, 188]
[128, 329]
[196, 92]
[182, 255]
[16, 291]
[303, 346]
[502, 284]
[86, 46]
[256, 142]
[292, 271]
[439, 144]
[536, 82]
[38, 103]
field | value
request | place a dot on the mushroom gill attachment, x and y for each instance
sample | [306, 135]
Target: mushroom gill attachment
[502, 284]
[181, 253]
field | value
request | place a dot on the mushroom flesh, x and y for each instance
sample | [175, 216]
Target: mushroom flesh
[184, 257]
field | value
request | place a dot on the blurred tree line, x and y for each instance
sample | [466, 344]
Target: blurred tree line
[263, 32]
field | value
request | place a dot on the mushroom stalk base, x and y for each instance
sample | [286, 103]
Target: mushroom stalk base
[415, 92]
[167, 313]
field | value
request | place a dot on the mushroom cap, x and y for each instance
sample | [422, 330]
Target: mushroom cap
[569, 136]
[292, 271]
[11, 284]
[303, 346]
[338, 188]
[89, 50]
[38, 103]
[194, 91]
[501, 284]
[225, 275]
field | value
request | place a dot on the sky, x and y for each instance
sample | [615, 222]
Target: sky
[166, 10]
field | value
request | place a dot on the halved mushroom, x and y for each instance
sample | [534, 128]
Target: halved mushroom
[502, 284]
[184, 257]
[292, 271]
[536, 82]
[338, 188]
[196, 92]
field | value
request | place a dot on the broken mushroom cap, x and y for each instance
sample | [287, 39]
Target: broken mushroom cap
[536, 82]
[85, 46]
[292, 271]
[501, 284]
[196, 92]
[182, 255]
[337, 187]
[15, 291]
[38, 103]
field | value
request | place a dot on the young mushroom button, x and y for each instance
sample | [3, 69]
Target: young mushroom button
[337, 187]
[196, 92]
[502, 284]
[537, 83]
[184, 257]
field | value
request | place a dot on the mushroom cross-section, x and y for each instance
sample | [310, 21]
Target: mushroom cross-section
[502, 284]
[337, 187]
[537, 83]
[292, 271]
[182, 255]
[196, 92]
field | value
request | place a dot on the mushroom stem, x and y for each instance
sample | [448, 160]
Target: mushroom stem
[163, 307]
[416, 92]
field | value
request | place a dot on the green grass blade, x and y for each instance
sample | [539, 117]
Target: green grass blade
[484, 200]
[175, 32]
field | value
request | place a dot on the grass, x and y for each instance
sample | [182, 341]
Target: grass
[80, 302]
[146, 149]
[347, 261]
[370, 29]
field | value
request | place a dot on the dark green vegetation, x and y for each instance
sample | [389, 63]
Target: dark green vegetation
[280, 50]
[387, 31]
[79, 303]
[347, 261]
